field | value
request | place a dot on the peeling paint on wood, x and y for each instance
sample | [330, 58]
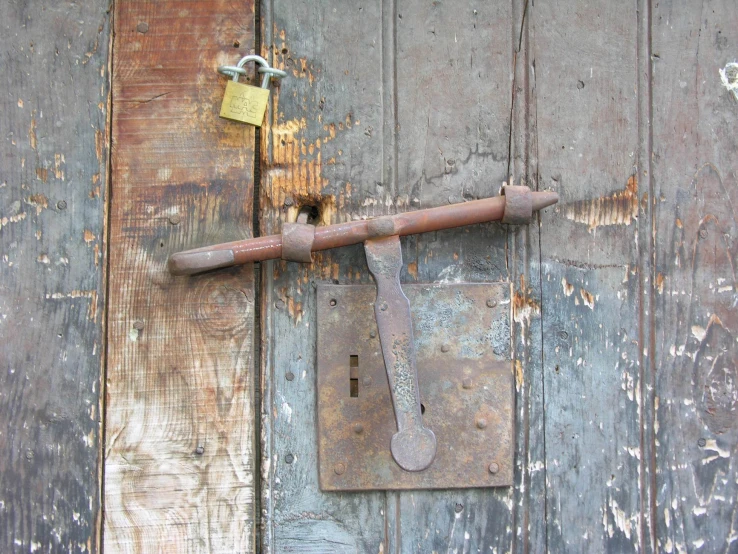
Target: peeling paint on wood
[51, 292]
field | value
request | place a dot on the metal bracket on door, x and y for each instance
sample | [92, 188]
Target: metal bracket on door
[464, 438]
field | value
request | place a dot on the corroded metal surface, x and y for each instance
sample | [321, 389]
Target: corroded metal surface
[413, 446]
[297, 242]
[462, 339]
[518, 205]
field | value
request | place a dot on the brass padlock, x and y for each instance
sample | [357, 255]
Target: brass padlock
[247, 103]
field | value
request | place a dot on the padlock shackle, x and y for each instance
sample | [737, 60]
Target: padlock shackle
[235, 71]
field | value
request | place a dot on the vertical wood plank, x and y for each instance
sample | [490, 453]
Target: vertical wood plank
[53, 178]
[585, 66]
[453, 69]
[694, 173]
[179, 473]
[324, 147]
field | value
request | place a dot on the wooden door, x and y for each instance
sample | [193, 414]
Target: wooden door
[143, 412]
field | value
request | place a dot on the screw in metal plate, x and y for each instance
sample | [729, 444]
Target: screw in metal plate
[703, 233]
[333, 302]
[339, 468]
[142, 27]
[289, 458]
[366, 381]
[445, 348]
[467, 383]
[701, 443]
[491, 303]
[199, 450]
[138, 325]
[459, 507]
[290, 376]
[358, 428]
[482, 423]
[62, 204]
[174, 219]
[494, 468]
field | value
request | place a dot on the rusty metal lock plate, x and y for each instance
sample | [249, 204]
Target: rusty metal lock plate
[462, 337]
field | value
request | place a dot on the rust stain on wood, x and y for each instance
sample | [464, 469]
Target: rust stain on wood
[619, 208]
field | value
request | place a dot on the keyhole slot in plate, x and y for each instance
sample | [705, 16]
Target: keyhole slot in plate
[354, 376]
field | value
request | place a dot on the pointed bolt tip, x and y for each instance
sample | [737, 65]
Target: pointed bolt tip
[544, 199]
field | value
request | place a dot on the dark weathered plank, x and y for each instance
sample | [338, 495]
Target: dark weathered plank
[453, 69]
[179, 473]
[586, 111]
[53, 116]
[694, 173]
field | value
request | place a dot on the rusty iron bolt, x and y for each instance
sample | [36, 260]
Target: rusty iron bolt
[339, 468]
[174, 219]
[494, 468]
[445, 348]
[138, 325]
[701, 443]
[289, 458]
[290, 376]
[288, 202]
[358, 428]
[466, 383]
[482, 423]
[491, 303]
[200, 450]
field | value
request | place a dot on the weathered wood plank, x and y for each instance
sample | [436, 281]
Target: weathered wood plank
[53, 179]
[453, 69]
[179, 473]
[323, 147]
[585, 61]
[694, 173]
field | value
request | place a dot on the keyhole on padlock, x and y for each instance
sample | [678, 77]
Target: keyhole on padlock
[354, 376]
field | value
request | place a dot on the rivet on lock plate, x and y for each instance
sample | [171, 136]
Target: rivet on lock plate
[416, 391]
[247, 103]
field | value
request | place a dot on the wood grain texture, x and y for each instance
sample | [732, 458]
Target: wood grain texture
[585, 60]
[53, 178]
[179, 472]
[401, 106]
[696, 228]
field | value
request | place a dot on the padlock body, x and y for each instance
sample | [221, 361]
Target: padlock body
[244, 103]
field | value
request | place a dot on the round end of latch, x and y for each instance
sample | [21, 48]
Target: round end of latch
[414, 449]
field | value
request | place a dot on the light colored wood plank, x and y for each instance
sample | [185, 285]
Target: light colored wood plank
[180, 456]
[53, 189]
